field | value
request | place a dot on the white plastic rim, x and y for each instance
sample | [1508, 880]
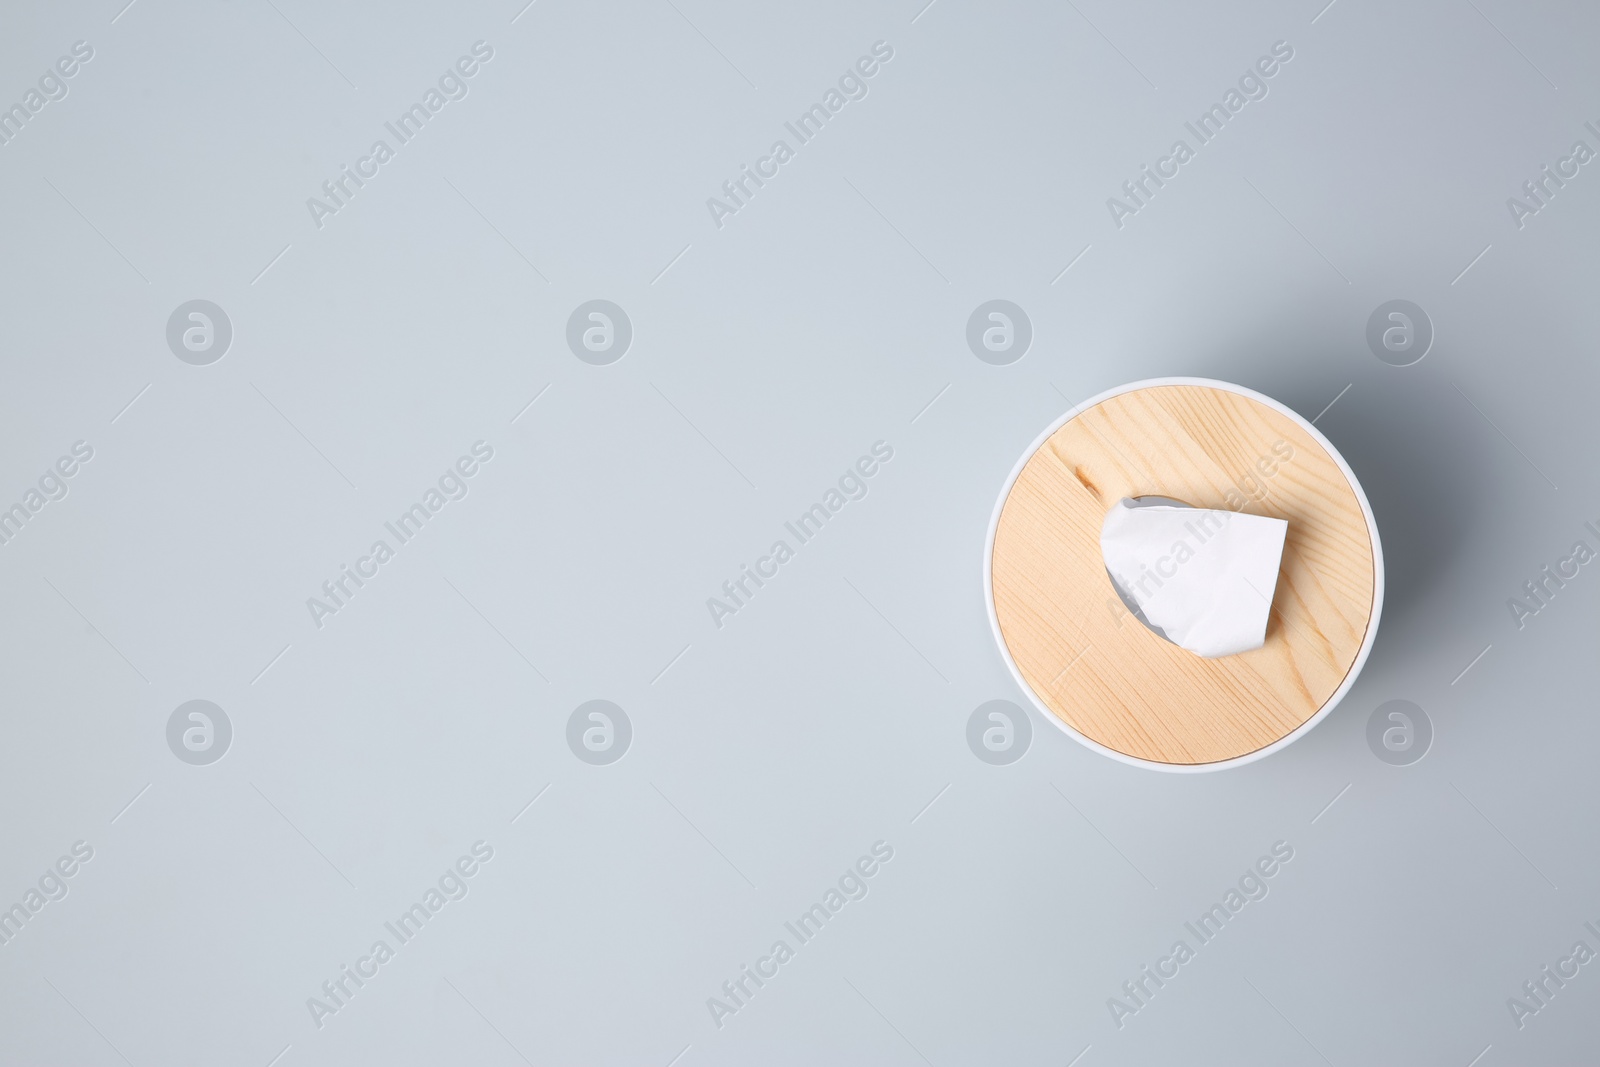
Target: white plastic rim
[1377, 578]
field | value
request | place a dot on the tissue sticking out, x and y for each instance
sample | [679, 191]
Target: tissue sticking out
[1204, 579]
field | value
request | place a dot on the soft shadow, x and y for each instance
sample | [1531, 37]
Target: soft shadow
[1412, 445]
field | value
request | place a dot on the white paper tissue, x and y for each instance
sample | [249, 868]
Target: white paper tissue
[1205, 578]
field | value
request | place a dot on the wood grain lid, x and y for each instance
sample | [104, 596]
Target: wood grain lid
[1092, 665]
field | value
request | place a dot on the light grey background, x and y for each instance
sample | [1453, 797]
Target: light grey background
[767, 355]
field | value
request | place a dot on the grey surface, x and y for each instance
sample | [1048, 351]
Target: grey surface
[767, 355]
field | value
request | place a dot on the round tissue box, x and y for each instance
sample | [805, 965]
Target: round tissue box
[1091, 665]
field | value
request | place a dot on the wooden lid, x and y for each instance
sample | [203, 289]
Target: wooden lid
[1092, 663]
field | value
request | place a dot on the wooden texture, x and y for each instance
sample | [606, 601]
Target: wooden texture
[1098, 667]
